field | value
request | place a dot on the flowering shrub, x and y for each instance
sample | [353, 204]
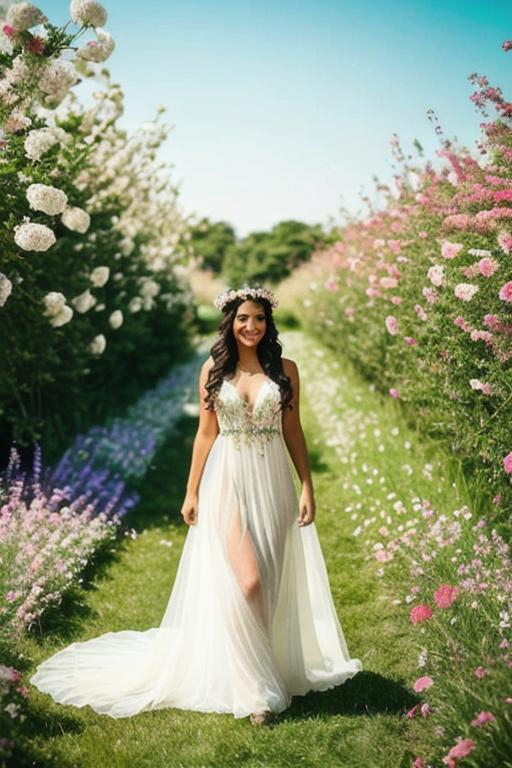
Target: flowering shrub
[94, 249]
[449, 569]
[419, 296]
[46, 538]
[12, 697]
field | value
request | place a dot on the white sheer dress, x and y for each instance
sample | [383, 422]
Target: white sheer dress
[217, 649]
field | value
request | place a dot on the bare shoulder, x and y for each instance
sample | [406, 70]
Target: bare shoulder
[289, 366]
[207, 365]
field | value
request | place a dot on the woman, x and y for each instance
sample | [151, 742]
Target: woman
[250, 621]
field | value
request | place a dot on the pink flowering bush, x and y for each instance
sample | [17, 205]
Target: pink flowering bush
[423, 304]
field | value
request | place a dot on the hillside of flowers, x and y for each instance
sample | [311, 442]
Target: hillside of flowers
[94, 249]
[419, 295]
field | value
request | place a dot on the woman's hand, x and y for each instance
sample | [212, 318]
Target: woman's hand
[306, 507]
[189, 509]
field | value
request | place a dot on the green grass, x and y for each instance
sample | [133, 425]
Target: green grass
[360, 723]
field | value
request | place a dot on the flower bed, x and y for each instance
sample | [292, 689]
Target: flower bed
[419, 296]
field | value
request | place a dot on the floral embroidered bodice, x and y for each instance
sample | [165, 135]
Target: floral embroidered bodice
[236, 418]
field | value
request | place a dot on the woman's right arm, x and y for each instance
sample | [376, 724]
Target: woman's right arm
[207, 431]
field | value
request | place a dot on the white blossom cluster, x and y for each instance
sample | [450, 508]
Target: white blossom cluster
[87, 13]
[50, 200]
[57, 309]
[5, 289]
[33, 237]
[98, 50]
[76, 219]
[40, 140]
[23, 16]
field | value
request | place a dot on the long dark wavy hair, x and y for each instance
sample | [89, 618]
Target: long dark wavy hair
[225, 353]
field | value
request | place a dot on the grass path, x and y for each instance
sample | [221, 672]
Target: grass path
[358, 724]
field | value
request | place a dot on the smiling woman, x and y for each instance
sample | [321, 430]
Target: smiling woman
[250, 621]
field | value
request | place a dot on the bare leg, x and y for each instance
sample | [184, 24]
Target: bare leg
[243, 559]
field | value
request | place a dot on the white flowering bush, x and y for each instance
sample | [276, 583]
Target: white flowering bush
[94, 249]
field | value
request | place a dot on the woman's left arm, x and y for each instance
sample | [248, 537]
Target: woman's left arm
[296, 443]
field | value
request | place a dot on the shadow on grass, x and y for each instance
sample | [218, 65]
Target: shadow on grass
[368, 693]
[26, 753]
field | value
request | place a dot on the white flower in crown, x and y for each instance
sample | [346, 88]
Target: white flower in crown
[243, 293]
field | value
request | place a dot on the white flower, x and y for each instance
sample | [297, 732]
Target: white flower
[135, 304]
[116, 319]
[23, 16]
[98, 50]
[465, 291]
[17, 121]
[99, 276]
[41, 140]
[33, 237]
[98, 344]
[149, 288]
[88, 13]
[5, 289]
[50, 200]
[63, 317]
[436, 275]
[57, 78]
[76, 219]
[55, 302]
[84, 301]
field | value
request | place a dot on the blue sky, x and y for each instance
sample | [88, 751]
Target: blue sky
[286, 110]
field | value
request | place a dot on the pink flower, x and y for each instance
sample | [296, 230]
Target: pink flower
[436, 275]
[491, 320]
[480, 672]
[420, 312]
[422, 683]
[507, 463]
[505, 241]
[418, 763]
[505, 293]
[482, 718]
[450, 250]
[410, 341]
[430, 294]
[484, 387]
[463, 748]
[36, 45]
[425, 710]
[487, 266]
[507, 45]
[446, 595]
[349, 312]
[395, 394]
[420, 612]
[331, 284]
[410, 714]
[477, 335]
[396, 300]
[391, 324]
[466, 291]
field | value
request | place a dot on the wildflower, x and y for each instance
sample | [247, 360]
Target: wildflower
[425, 710]
[482, 718]
[420, 612]
[410, 341]
[463, 748]
[395, 394]
[487, 266]
[450, 250]
[505, 293]
[505, 241]
[436, 275]
[84, 302]
[466, 291]
[391, 324]
[507, 463]
[445, 595]
[483, 387]
[422, 683]
[410, 714]
[40, 140]
[480, 672]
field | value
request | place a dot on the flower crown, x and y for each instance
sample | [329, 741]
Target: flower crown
[243, 293]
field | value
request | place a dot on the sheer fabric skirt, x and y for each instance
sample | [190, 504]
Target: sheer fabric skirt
[250, 621]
